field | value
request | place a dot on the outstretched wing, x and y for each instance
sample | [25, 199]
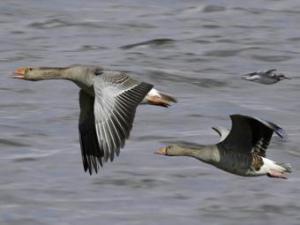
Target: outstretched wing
[106, 119]
[116, 99]
[249, 134]
[270, 72]
[239, 138]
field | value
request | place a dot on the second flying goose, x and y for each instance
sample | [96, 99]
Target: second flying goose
[241, 152]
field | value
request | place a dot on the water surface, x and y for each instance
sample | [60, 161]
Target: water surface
[196, 50]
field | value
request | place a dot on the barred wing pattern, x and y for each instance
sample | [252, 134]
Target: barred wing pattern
[249, 134]
[263, 131]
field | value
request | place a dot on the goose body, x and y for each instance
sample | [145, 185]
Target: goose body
[108, 102]
[265, 77]
[242, 151]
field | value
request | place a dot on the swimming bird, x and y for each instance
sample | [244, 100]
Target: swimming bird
[108, 102]
[242, 152]
[266, 77]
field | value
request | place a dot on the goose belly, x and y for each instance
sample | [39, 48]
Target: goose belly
[239, 164]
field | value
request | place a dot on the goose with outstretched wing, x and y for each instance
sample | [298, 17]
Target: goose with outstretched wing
[108, 102]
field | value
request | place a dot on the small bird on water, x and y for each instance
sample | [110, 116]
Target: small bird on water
[242, 152]
[108, 102]
[265, 77]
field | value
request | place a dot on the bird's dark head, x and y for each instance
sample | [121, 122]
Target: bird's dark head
[282, 77]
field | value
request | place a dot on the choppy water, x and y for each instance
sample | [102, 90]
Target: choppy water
[196, 50]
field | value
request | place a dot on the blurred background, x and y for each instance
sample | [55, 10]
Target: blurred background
[196, 50]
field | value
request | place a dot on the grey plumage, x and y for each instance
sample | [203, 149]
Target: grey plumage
[108, 102]
[116, 99]
[243, 150]
[106, 118]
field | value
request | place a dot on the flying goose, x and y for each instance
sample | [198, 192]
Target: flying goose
[242, 152]
[265, 77]
[108, 102]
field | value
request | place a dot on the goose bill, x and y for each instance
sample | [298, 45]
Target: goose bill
[19, 73]
[161, 151]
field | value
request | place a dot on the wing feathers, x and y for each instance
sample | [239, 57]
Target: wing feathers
[106, 119]
[250, 134]
[114, 109]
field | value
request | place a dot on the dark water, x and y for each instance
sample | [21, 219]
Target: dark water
[196, 50]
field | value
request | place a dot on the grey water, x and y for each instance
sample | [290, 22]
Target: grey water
[196, 50]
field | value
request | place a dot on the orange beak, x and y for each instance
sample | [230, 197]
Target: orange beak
[161, 151]
[20, 73]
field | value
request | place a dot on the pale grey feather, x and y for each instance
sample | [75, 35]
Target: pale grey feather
[116, 99]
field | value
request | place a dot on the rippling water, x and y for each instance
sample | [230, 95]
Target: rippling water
[196, 50]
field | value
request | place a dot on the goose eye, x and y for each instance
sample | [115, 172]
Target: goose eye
[28, 69]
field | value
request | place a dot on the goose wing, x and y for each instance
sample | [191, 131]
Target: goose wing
[270, 72]
[116, 99]
[250, 134]
[107, 118]
[262, 134]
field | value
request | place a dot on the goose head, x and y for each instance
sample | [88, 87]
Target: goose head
[170, 150]
[282, 77]
[80, 74]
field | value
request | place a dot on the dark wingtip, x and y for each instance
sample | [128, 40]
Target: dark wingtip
[279, 131]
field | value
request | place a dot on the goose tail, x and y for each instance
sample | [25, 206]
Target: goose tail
[287, 167]
[155, 97]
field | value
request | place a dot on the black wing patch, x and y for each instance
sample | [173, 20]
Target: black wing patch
[250, 134]
[91, 153]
